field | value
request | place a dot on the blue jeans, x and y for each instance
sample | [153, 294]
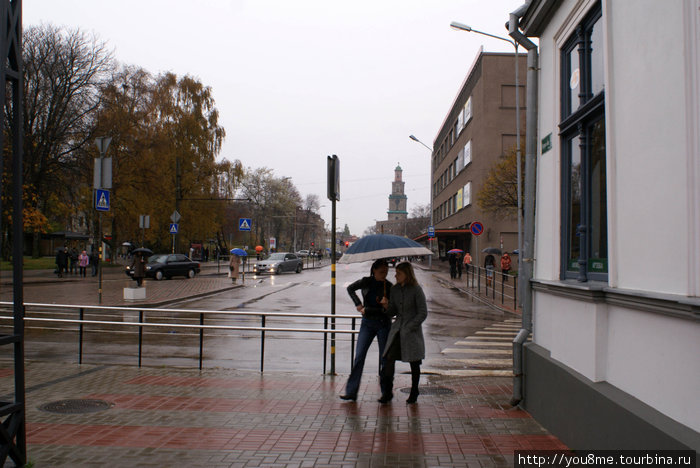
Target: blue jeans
[368, 330]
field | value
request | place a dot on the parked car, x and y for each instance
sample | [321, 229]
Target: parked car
[303, 253]
[161, 266]
[279, 262]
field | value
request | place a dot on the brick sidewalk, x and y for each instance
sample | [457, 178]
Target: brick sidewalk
[221, 418]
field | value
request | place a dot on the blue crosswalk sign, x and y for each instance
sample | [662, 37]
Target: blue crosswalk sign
[244, 224]
[173, 228]
[102, 200]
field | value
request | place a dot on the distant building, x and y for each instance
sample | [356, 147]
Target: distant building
[478, 130]
[398, 222]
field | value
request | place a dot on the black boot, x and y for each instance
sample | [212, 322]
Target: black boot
[386, 381]
[415, 378]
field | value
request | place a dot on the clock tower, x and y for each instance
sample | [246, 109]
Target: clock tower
[397, 199]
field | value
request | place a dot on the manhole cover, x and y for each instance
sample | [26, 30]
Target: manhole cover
[76, 406]
[430, 390]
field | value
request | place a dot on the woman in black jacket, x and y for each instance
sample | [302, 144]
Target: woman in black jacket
[375, 322]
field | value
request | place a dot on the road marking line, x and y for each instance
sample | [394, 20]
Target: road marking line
[484, 362]
[507, 344]
[477, 351]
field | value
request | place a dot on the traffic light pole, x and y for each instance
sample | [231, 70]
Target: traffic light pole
[333, 259]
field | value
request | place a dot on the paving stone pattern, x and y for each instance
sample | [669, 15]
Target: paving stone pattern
[224, 418]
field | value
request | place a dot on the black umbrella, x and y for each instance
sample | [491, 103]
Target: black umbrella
[143, 251]
[492, 250]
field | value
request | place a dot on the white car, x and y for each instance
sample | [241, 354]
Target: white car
[303, 253]
[277, 263]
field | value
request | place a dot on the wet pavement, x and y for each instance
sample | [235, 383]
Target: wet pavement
[228, 416]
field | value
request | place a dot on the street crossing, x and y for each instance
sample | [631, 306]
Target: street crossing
[488, 352]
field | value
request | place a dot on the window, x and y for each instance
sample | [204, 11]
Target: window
[467, 194]
[467, 153]
[584, 239]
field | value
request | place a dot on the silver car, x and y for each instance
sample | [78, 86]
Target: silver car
[279, 262]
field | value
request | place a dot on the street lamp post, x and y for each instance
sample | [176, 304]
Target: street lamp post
[430, 187]
[464, 27]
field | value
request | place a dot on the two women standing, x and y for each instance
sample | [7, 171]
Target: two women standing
[400, 340]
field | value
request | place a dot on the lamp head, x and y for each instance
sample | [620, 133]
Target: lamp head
[460, 26]
[413, 138]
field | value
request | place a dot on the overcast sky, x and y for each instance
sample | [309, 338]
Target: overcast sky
[297, 80]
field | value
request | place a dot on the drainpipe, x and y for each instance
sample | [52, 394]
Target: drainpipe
[526, 273]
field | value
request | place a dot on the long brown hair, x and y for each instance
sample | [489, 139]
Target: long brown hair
[407, 269]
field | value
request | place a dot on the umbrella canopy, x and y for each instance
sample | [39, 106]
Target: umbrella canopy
[143, 251]
[492, 250]
[455, 251]
[239, 252]
[259, 248]
[377, 246]
[126, 244]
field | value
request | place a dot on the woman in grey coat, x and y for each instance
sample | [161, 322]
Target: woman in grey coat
[405, 341]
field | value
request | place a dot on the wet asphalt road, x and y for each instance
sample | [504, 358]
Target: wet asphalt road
[451, 317]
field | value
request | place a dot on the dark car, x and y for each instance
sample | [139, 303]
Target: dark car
[279, 262]
[161, 266]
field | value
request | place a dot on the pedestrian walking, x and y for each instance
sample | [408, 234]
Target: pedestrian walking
[458, 262]
[505, 266]
[138, 266]
[405, 342]
[234, 265]
[489, 265]
[375, 321]
[61, 261]
[73, 259]
[467, 261]
[94, 261]
[83, 261]
[453, 265]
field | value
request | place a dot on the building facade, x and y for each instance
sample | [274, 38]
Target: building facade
[614, 362]
[477, 132]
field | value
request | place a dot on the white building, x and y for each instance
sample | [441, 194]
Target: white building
[615, 357]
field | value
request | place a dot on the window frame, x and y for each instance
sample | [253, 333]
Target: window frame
[580, 123]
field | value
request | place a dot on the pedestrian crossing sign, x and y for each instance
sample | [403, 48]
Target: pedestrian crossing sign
[173, 228]
[102, 200]
[244, 224]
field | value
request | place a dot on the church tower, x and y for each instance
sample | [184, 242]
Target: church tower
[397, 199]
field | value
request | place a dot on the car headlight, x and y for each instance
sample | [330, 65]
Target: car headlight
[148, 268]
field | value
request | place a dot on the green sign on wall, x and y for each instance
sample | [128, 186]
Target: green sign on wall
[546, 143]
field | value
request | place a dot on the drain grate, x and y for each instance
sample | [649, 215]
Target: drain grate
[76, 406]
[430, 390]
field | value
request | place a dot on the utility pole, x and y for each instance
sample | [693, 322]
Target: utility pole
[103, 182]
[333, 196]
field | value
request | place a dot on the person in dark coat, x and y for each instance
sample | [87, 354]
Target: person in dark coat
[138, 265]
[405, 341]
[94, 261]
[61, 261]
[375, 322]
[453, 265]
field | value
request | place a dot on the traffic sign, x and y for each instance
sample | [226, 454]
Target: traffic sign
[431, 231]
[102, 200]
[175, 217]
[244, 224]
[173, 228]
[476, 228]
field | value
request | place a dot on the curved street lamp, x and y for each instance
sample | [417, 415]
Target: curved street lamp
[463, 27]
[430, 187]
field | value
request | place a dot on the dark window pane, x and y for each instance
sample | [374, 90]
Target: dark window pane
[599, 217]
[597, 79]
[574, 151]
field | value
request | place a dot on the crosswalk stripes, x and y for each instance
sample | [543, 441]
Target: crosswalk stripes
[488, 352]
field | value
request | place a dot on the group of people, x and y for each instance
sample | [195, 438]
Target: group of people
[457, 261]
[401, 339]
[72, 262]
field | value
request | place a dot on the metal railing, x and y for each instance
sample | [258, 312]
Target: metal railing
[141, 324]
[494, 285]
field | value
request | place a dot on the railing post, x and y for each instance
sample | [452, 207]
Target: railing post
[80, 340]
[262, 346]
[140, 335]
[515, 292]
[478, 280]
[201, 339]
[325, 343]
